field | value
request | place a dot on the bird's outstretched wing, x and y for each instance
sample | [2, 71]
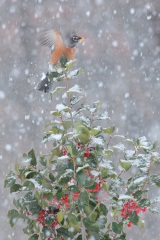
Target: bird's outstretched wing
[51, 38]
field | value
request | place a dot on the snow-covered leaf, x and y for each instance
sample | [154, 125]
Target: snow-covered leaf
[124, 197]
[109, 130]
[75, 99]
[125, 164]
[74, 89]
[57, 89]
[83, 167]
[119, 146]
[74, 72]
[103, 116]
[96, 130]
[139, 180]
[98, 140]
[62, 107]
[52, 137]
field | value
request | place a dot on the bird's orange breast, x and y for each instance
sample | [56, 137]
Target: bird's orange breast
[69, 52]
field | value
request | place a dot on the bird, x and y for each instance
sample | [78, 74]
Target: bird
[60, 46]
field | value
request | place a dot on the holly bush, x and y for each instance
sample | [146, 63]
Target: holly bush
[93, 184]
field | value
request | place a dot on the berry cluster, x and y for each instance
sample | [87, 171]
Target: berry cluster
[131, 207]
[46, 213]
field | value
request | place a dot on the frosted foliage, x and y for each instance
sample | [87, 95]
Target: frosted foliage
[121, 62]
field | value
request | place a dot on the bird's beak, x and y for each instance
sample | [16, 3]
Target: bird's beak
[82, 39]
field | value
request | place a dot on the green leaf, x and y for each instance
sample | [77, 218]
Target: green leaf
[72, 219]
[81, 168]
[34, 237]
[89, 225]
[154, 210]
[73, 188]
[79, 237]
[16, 167]
[43, 161]
[107, 237]
[95, 131]
[29, 229]
[141, 223]
[71, 149]
[28, 185]
[61, 108]
[10, 180]
[83, 199]
[67, 124]
[14, 216]
[122, 237]
[47, 232]
[56, 114]
[155, 179]
[60, 216]
[32, 157]
[103, 209]
[51, 177]
[63, 61]
[70, 64]
[117, 227]
[81, 178]
[109, 130]
[144, 203]
[75, 99]
[15, 188]
[83, 138]
[138, 194]
[62, 232]
[130, 142]
[90, 213]
[59, 194]
[49, 196]
[34, 207]
[134, 218]
[75, 89]
[57, 89]
[119, 146]
[102, 221]
[103, 116]
[53, 75]
[94, 235]
[47, 187]
[12, 212]
[29, 197]
[75, 72]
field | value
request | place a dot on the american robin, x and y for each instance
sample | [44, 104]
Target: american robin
[60, 46]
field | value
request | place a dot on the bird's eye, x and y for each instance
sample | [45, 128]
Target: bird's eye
[75, 38]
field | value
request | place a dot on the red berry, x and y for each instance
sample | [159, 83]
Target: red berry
[87, 153]
[75, 195]
[129, 224]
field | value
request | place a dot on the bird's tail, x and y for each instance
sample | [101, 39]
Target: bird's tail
[45, 84]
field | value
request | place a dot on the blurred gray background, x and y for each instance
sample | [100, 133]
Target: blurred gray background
[121, 62]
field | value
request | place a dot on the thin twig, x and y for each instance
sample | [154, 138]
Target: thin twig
[149, 170]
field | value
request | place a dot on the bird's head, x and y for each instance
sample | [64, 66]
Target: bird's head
[74, 39]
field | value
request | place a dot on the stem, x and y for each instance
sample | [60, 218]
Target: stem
[83, 231]
[149, 170]
[70, 106]
[110, 138]
[75, 182]
[94, 209]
